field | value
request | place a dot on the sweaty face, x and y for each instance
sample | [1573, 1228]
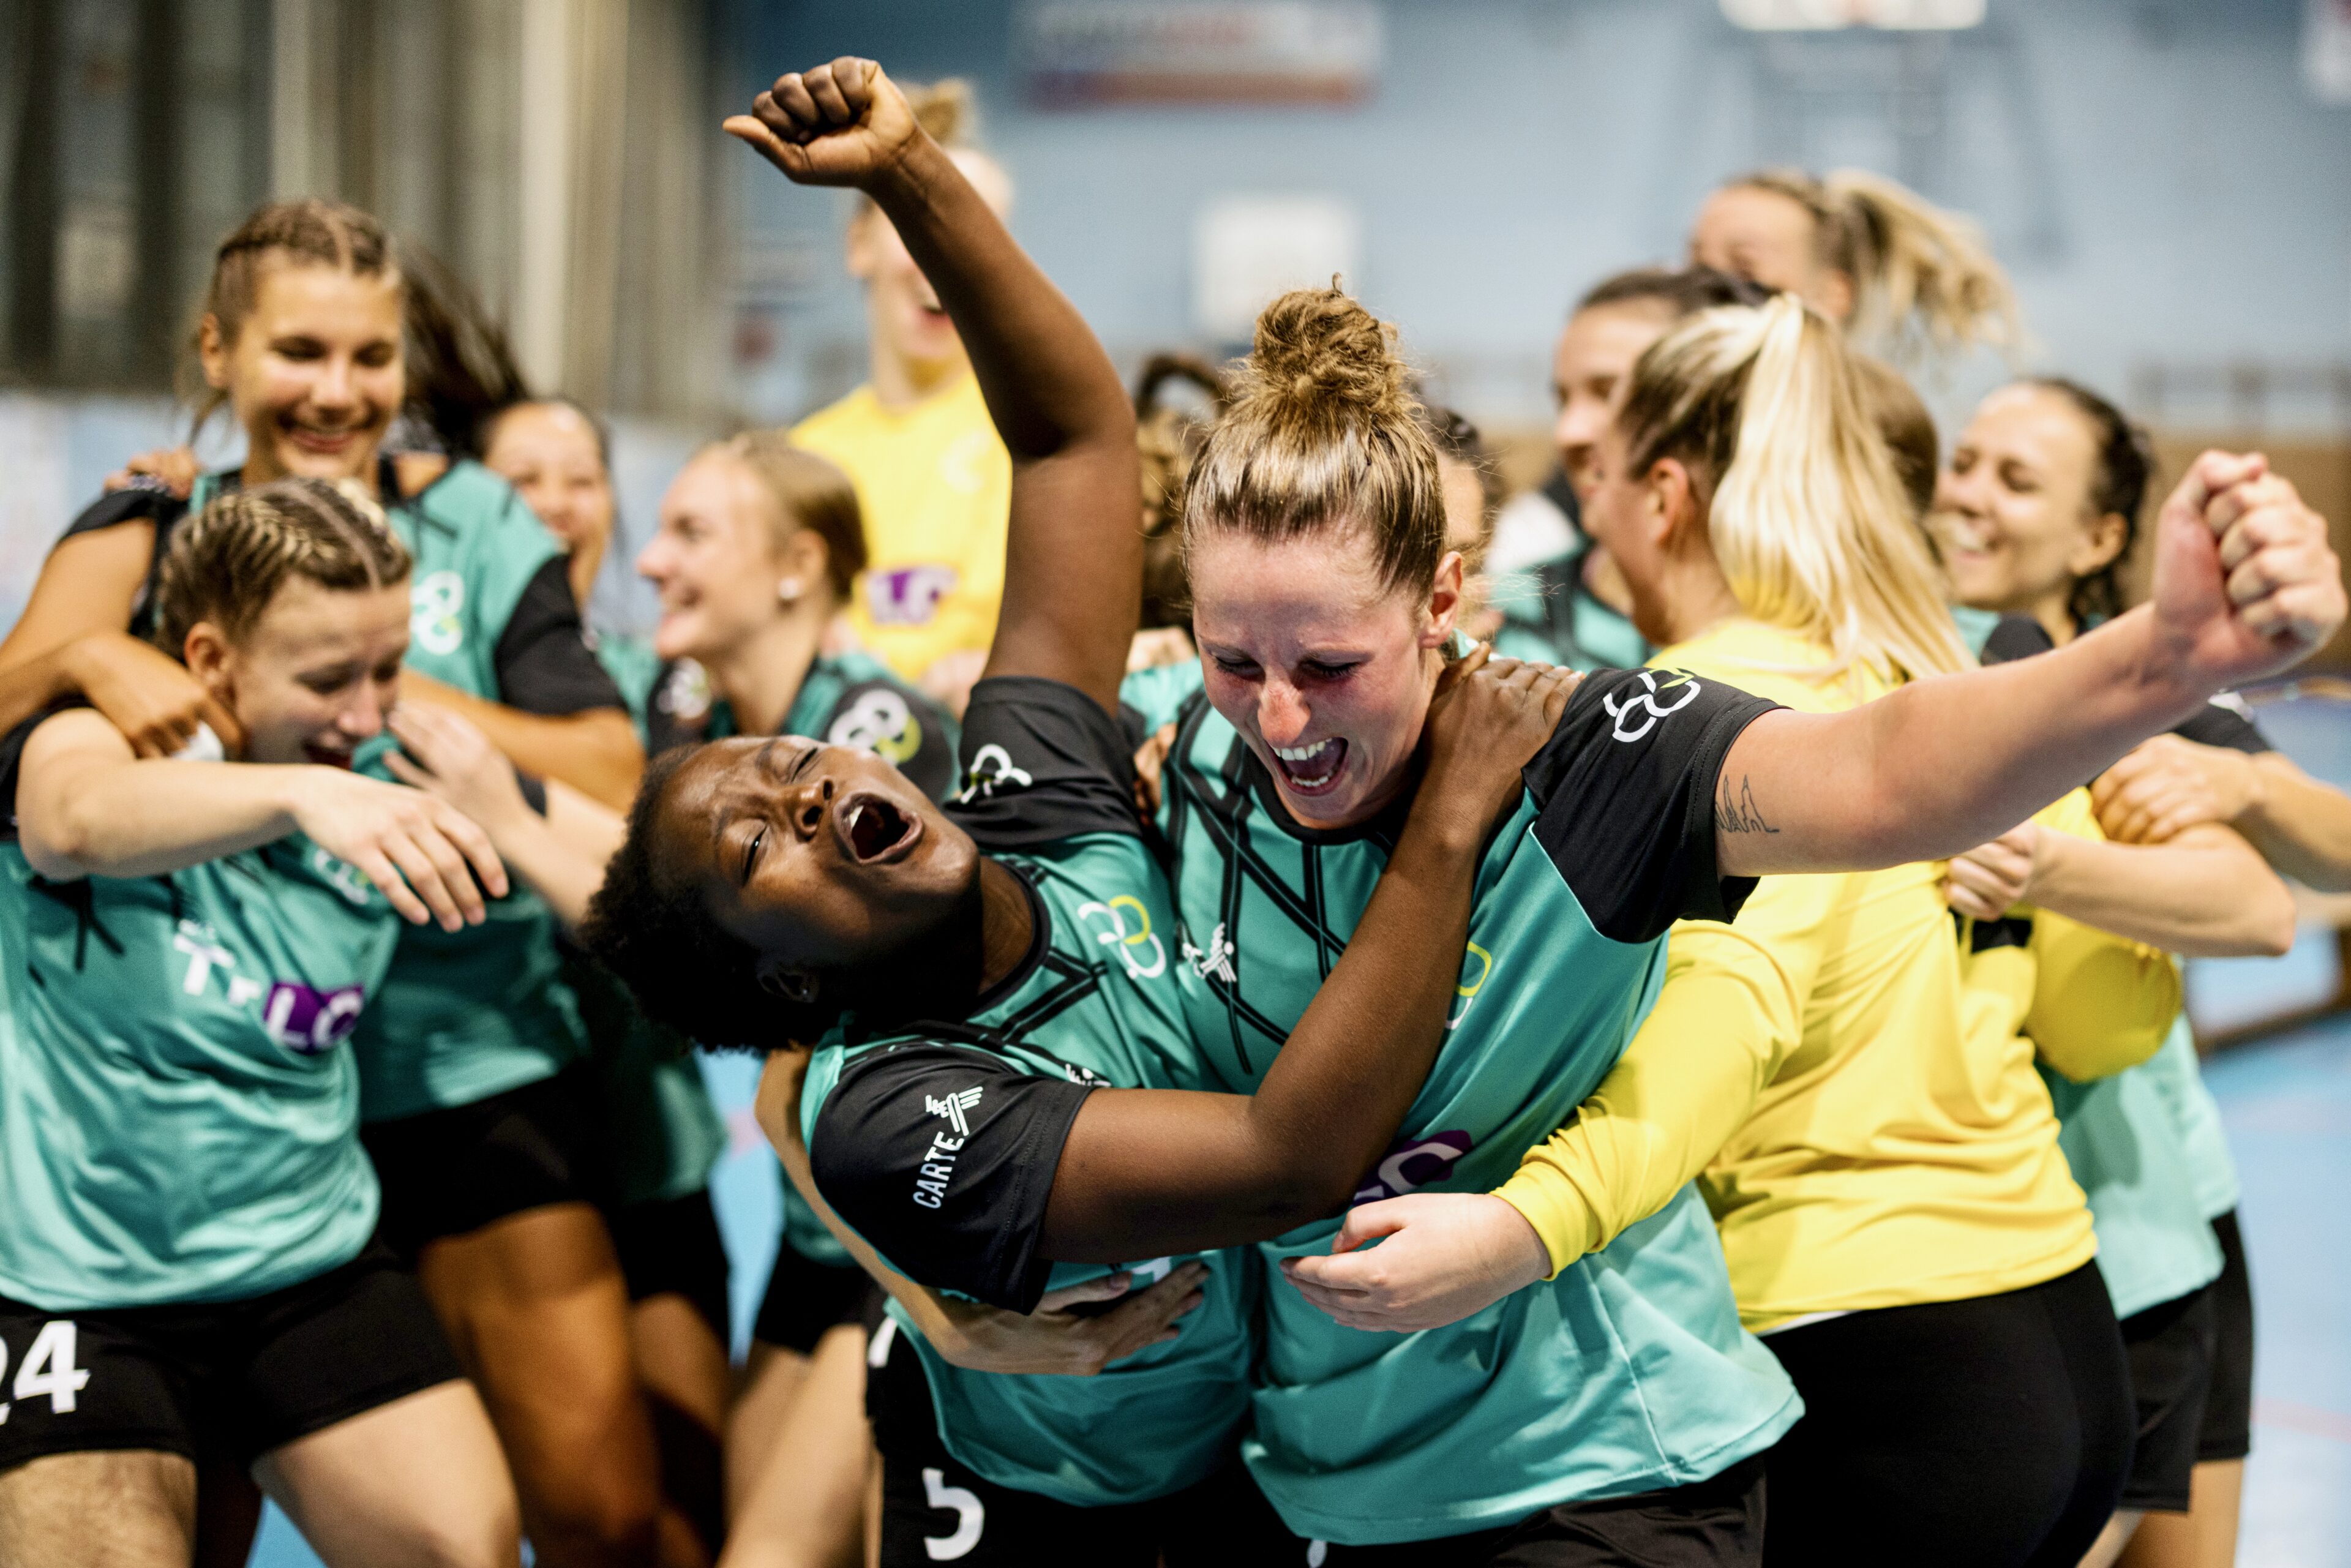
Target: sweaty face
[1766, 238]
[1326, 669]
[2013, 512]
[819, 857]
[1589, 368]
[313, 372]
[714, 561]
[312, 677]
[550, 454]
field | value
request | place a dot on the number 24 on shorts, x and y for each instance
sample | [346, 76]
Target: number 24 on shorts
[47, 1368]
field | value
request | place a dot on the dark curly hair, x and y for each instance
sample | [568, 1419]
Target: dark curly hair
[686, 969]
[2122, 465]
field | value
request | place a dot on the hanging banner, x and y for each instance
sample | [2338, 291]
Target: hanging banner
[1080, 53]
[2327, 49]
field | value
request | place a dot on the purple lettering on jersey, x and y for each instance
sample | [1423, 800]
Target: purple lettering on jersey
[305, 1020]
[1411, 1164]
[907, 595]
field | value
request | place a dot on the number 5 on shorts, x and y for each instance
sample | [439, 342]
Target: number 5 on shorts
[47, 1368]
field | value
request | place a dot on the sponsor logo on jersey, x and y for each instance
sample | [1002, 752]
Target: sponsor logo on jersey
[907, 595]
[436, 609]
[342, 876]
[878, 720]
[686, 696]
[931, 1176]
[1640, 712]
[1412, 1163]
[1216, 961]
[1476, 967]
[991, 766]
[307, 1020]
[1142, 951]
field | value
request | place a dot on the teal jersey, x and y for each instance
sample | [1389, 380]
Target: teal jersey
[845, 699]
[469, 1014]
[2125, 1147]
[1627, 1373]
[1550, 617]
[2178, 1078]
[938, 1141]
[179, 1107]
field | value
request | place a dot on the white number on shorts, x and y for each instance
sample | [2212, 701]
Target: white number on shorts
[971, 1517]
[48, 1368]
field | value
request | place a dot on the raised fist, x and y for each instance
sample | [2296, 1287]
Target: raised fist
[840, 124]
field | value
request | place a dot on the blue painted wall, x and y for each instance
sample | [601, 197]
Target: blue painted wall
[2158, 178]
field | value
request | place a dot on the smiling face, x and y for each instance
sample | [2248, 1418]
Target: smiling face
[818, 857]
[1326, 669]
[313, 675]
[549, 454]
[1768, 238]
[713, 559]
[2012, 512]
[314, 374]
[1594, 359]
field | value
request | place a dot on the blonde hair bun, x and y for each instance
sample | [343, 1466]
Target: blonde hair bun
[1319, 349]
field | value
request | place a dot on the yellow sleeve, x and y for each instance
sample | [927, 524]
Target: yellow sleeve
[2101, 1003]
[1728, 1015]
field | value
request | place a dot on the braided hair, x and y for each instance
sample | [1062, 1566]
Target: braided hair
[226, 563]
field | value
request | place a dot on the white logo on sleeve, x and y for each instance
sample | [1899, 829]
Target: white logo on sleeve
[953, 1108]
[1639, 713]
[938, 1167]
[991, 765]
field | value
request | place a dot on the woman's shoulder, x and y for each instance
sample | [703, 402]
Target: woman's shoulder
[139, 502]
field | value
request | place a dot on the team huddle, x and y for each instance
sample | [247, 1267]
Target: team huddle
[1301, 1027]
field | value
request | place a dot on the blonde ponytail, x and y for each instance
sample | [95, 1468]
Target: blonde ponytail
[1806, 514]
[1924, 278]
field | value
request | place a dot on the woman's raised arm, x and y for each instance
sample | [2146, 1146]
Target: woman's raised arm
[2245, 585]
[1073, 563]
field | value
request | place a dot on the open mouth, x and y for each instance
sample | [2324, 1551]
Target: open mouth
[326, 756]
[325, 443]
[1311, 769]
[874, 829]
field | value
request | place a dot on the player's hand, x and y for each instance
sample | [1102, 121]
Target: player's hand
[1993, 878]
[171, 469]
[2245, 583]
[2167, 785]
[1441, 1257]
[459, 765]
[841, 124]
[1488, 719]
[1151, 771]
[147, 695]
[1057, 1340]
[424, 855]
[1156, 645]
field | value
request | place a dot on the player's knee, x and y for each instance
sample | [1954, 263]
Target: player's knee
[489, 1536]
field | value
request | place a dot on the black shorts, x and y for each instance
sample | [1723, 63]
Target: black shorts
[2228, 1431]
[805, 1300]
[1993, 1430]
[934, 1510]
[449, 1171]
[2171, 1346]
[671, 1245]
[238, 1378]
